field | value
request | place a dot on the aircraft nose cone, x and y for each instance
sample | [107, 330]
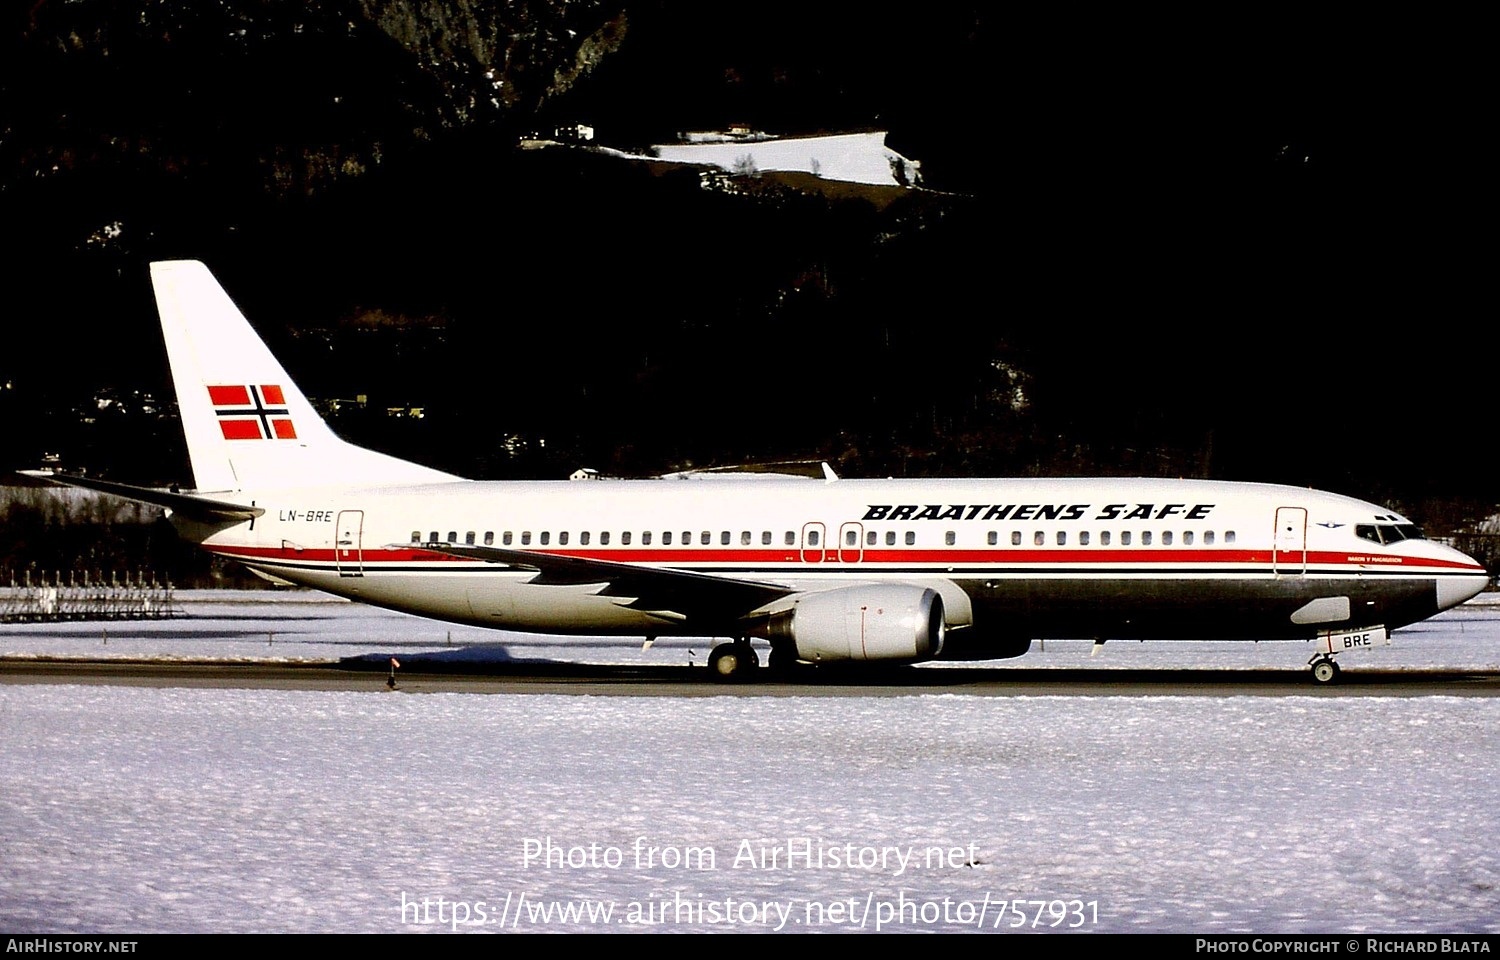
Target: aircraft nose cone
[1455, 590]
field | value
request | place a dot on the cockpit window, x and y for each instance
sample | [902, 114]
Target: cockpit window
[1388, 532]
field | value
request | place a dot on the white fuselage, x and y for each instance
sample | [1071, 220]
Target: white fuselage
[1095, 558]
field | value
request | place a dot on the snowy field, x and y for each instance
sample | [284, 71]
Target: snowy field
[144, 809]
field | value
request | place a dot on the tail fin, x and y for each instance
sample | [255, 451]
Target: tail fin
[246, 423]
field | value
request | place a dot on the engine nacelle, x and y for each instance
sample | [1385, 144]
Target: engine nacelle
[870, 622]
[972, 643]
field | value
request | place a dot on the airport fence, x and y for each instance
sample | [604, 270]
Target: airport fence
[85, 596]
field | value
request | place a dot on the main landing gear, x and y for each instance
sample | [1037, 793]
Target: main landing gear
[733, 662]
[1324, 669]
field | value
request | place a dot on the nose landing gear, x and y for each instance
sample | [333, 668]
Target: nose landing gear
[1324, 669]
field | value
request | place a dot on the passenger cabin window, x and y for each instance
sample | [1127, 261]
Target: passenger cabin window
[1146, 538]
[416, 536]
[911, 538]
[646, 538]
[452, 536]
[949, 538]
[993, 538]
[707, 538]
[1208, 538]
[506, 540]
[724, 538]
[469, 538]
[433, 537]
[604, 538]
[1124, 538]
[489, 538]
[851, 539]
[545, 538]
[744, 538]
[1104, 538]
[1083, 538]
[1229, 536]
[765, 538]
[1187, 538]
[666, 538]
[1015, 538]
[890, 538]
[525, 538]
[625, 538]
[583, 538]
[1166, 538]
[790, 538]
[872, 538]
[1039, 539]
[812, 538]
[562, 539]
[1062, 538]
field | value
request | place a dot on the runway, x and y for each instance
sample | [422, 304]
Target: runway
[682, 681]
[303, 640]
[309, 641]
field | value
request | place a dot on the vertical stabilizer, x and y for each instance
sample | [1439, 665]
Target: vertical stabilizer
[246, 423]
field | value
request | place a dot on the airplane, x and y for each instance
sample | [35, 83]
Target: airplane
[823, 570]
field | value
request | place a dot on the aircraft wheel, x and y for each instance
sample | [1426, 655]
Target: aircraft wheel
[731, 662]
[1325, 671]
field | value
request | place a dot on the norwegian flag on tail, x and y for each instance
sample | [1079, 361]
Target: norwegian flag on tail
[252, 412]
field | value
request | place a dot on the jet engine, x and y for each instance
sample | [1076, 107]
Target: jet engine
[870, 622]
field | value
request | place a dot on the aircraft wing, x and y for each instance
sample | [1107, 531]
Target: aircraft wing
[675, 594]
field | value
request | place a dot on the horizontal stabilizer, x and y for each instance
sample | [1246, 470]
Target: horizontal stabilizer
[186, 505]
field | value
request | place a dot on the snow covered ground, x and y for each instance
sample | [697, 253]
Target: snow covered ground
[144, 809]
[854, 157]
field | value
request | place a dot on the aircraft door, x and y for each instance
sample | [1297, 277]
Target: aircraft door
[851, 546]
[813, 546]
[348, 548]
[1289, 551]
